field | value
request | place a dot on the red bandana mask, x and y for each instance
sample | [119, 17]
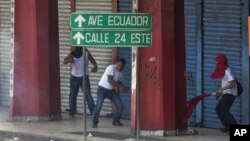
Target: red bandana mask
[221, 66]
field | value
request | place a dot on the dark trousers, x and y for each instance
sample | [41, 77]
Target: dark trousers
[223, 110]
[75, 84]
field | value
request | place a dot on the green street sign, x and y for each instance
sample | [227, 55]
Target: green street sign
[81, 20]
[111, 38]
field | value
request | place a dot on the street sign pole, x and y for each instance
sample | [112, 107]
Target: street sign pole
[84, 91]
[135, 77]
[73, 7]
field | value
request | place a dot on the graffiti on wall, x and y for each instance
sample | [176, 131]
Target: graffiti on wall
[152, 74]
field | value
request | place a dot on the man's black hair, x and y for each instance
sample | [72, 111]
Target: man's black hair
[123, 61]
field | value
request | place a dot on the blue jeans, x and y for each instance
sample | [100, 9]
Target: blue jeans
[223, 110]
[75, 84]
[114, 97]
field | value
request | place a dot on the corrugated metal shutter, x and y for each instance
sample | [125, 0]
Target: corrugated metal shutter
[5, 25]
[222, 33]
[103, 56]
[190, 8]
[126, 6]
[64, 43]
[126, 97]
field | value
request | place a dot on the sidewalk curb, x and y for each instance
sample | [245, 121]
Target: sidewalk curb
[30, 137]
[35, 137]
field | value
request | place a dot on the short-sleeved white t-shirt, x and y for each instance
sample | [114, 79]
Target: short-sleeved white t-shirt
[224, 81]
[110, 70]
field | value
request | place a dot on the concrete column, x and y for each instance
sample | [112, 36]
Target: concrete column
[162, 69]
[36, 81]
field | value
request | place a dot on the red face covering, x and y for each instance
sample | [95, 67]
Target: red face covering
[221, 66]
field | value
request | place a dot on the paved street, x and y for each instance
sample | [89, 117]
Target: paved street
[71, 129]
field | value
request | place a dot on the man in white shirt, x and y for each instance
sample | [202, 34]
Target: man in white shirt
[77, 71]
[228, 90]
[109, 86]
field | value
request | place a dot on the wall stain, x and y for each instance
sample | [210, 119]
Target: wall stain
[152, 74]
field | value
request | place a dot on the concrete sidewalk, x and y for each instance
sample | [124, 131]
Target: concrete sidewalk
[71, 129]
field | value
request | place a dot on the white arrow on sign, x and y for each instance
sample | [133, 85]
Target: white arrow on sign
[80, 19]
[78, 37]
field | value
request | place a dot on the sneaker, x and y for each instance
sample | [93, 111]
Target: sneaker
[94, 125]
[72, 115]
[117, 123]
